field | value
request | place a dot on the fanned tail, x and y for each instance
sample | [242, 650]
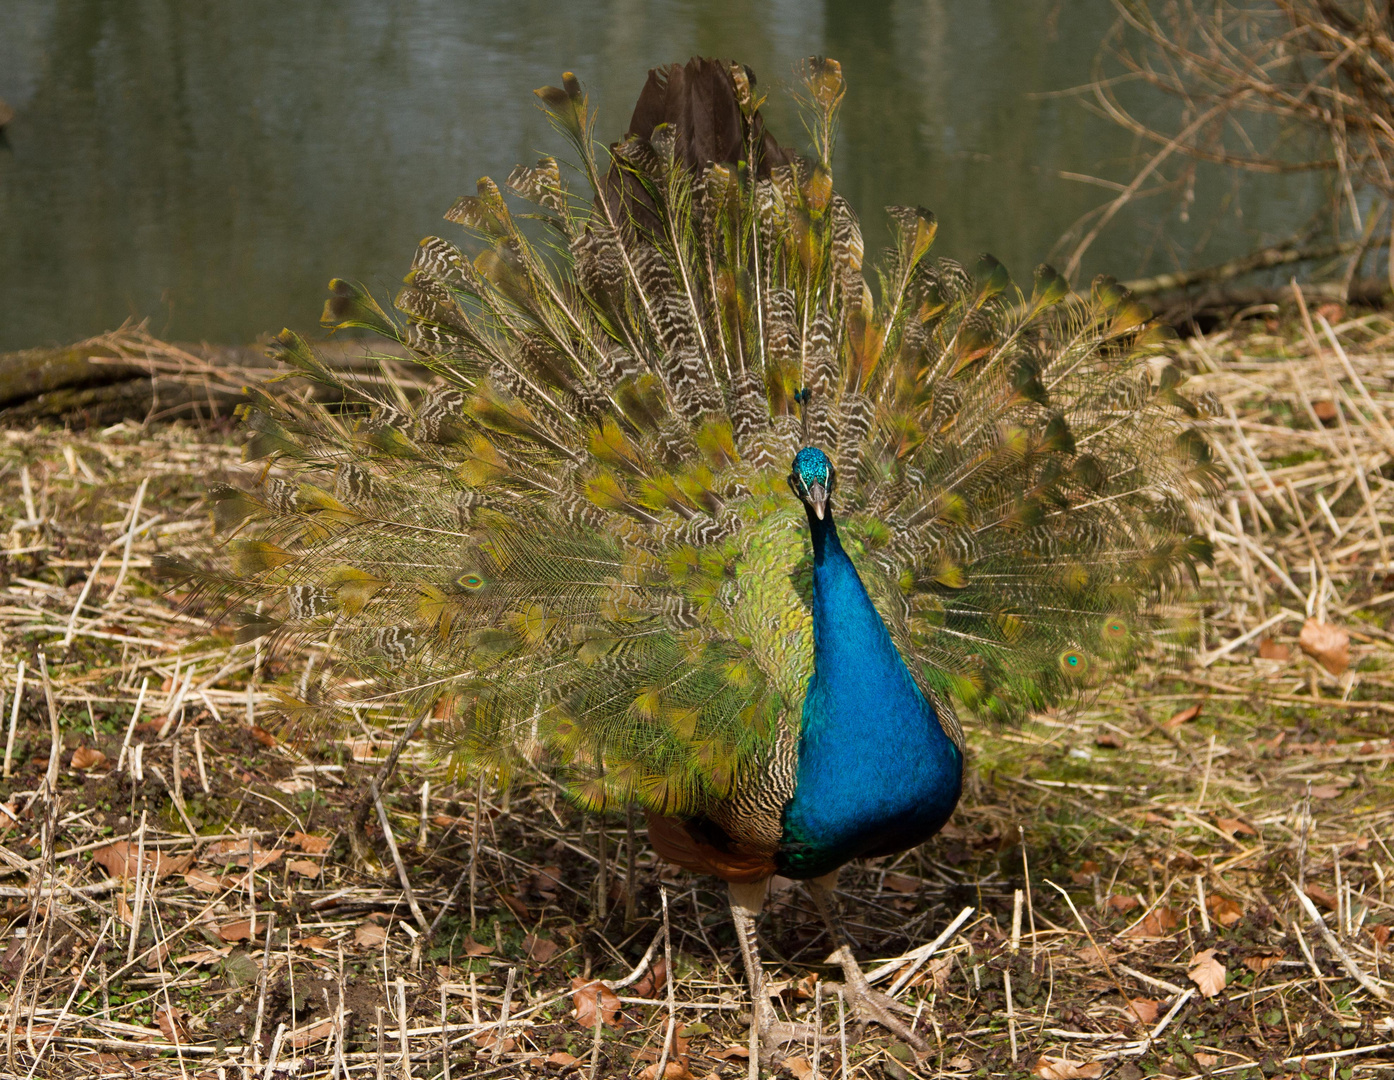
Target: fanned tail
[549, 519]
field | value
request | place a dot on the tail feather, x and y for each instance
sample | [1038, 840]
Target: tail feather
[571, 522]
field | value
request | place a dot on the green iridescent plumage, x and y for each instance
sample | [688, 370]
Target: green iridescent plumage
[559, 509]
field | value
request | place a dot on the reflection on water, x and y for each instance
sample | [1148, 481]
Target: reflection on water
[213, 165]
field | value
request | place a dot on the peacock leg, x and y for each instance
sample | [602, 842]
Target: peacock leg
[868, 1005]
[747, 900]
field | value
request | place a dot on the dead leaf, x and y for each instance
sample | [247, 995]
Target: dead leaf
[801, 1067]
[120, 858]
[261, 735]
[1223, 910]
[562, 1058]
[1325, 410]
[304, 867]
[1183, 716]
[1325, 791]
[1268, 649]
[672, 1070]
[171, 1022]
[87, 757]
[1322, 897]
[1327, 644]
[960, 1063]
[590, 998]
[475, 948]
[314, 941]
[204, 882]
[1207, 973]
[312, 1034]
[1123, 904]
[234, 853]
[237, 930]
[310, 844]
[1048, 1068]
[742, 1052]
[1234, 827]
[1380, 934]
[1259, 964]
[1205, 1060]
[1108, 740]
[1158, 923]
[487, 1039]
[901, 883]
[1143, 1010]
[369, 934]
[539, 949]
[653, 981]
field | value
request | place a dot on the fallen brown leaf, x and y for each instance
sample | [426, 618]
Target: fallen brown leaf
[539, 949]
[1322, 897]
[304, 867]
[672, 1070]
[313, 941]
[1205, 1060]
[204, 882]
[1048, 1068]
[312, 1034]
[261, 735]
[310, 844]
[652, 982]
[1327, 644]
[1325, 410]
[902, 883]
[742, 1052]
[487, 1039]
[1158, 923]
[1234, 827]
[119, 860]
[475, 948]
[1108, 740]
[1268, 649]
[171, 1022]
[1123, 904]
[801, 1067]
[238, 930]
[1223, 910]
[1207, 973]
[369, 934]
[1143, 1010]
[1183, 716]
[1381, 935]
[1325, 791]
[590, 998]
[1259, 964]
[87, 757]
[562, 1058]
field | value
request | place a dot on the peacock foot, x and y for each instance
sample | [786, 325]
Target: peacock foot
[775, 1033]
[870, 1006]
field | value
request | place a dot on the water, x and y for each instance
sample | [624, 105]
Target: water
[211, 166]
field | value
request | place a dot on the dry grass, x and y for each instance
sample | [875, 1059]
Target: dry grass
[1177, 818]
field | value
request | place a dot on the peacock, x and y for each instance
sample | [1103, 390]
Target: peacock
[659, 490]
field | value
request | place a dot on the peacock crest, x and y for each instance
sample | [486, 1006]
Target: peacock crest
[562, 510]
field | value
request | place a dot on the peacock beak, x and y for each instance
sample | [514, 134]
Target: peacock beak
[818, 499]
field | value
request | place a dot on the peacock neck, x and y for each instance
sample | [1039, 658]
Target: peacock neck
[876, 773]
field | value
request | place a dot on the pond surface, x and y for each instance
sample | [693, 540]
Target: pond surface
[211, 166]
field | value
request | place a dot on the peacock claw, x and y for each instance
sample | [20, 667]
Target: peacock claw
[873, 1007]
[776, 1033]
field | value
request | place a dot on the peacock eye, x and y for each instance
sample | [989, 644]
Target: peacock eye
[472, 581]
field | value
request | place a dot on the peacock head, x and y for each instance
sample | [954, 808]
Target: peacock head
[812, 479]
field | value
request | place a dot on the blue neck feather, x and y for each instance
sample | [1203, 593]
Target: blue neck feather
[876, 772]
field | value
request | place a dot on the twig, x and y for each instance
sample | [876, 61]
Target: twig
[1333, 943]
[410, 893]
